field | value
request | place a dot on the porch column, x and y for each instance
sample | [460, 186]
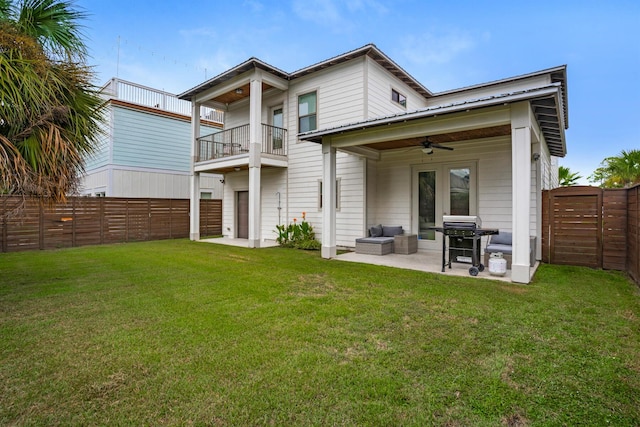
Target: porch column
[521, 190]
[328, 199]
[194, 177]
[255, 148]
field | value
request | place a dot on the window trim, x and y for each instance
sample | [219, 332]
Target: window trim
[307, 115]
[402, 99]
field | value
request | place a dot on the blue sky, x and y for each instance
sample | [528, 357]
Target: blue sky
[175, 45]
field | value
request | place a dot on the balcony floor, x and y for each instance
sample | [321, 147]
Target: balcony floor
[427, 261]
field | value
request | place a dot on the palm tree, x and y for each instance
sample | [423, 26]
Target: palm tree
[619, 171]
[50, 112]
[566, 177]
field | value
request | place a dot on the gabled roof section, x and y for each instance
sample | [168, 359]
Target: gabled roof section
[377, 55]
[247, 65]
[370, 50]
[557, 75]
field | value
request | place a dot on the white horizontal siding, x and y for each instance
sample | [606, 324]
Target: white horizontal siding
[484, 91]
[140, 183]
[380, 85]
[272, 182]
[95, 182]
[391, 202]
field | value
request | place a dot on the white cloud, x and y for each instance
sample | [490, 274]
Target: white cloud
[323, 12]
[438, 49]
[254, 5]
[366, 5]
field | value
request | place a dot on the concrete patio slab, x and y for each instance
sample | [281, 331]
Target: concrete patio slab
[427, 261]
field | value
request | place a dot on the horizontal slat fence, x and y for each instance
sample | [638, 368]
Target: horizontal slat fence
[633, 233]
[93, 221]
[592, 227]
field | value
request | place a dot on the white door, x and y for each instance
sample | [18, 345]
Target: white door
[441, 189]
[277, 133]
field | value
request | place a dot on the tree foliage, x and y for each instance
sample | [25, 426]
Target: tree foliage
[49, 110]
[619, 171]
[566, 177]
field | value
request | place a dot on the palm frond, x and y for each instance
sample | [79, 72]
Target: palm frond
[55, 24]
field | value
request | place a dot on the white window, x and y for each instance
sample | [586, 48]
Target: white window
[398, 97]
[307, 108]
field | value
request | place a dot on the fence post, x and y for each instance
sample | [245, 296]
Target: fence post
[5, 245]
[41, 225]
[73, 222]
[101, 210]
[171, 218]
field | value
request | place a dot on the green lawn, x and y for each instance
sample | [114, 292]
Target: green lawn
[179, 333]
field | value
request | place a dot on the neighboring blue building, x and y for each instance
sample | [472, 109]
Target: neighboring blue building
[145, 150]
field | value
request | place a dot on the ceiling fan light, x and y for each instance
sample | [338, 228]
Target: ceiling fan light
[427, 150]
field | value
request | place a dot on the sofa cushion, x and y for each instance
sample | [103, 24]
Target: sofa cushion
[378, 240]
[493, 247]
[504, 238]
[375, 231]
[390, 231]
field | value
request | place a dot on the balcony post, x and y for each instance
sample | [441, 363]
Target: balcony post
[255, 148]
[194, 177]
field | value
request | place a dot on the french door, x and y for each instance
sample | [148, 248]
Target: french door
[441, 189]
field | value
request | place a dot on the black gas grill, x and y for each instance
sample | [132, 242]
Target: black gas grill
[464, 234]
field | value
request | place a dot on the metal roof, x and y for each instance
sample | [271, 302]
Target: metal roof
[543, 101]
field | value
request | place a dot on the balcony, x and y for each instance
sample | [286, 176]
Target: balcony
[235, 142]
[144, 96]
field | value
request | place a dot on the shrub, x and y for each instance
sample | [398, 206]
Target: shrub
[297, 235]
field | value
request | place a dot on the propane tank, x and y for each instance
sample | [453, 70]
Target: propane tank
[497, 264]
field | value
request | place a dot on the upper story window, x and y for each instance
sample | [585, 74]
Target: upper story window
[398, 97]
[307, 107]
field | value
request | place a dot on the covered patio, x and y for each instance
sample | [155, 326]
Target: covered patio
[423, 260]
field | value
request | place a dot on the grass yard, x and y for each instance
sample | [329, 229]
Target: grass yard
[180, 333]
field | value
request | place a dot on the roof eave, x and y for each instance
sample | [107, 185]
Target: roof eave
[548, 91]
[231, 73]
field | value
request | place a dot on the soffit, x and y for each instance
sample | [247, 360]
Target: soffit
[488, 132]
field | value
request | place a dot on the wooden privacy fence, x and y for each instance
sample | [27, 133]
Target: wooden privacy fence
[593, 227]
[93, 221]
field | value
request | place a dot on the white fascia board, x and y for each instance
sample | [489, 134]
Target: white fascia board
[229, 162]
[428, 125]
[223, 88]
[275, 81]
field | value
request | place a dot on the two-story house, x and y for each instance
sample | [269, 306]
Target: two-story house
[355, 141]
[145, 147]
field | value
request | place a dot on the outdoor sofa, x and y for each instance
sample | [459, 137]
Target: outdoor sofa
[379, 241]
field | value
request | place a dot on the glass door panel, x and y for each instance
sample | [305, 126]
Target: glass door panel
[426, 204]
[277, 123]
[459, 191]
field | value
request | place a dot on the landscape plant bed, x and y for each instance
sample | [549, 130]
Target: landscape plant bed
[176, 332]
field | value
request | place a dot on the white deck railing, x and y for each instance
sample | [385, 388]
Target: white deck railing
[134, 93]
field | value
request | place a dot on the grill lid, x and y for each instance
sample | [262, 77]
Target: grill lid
[472, 221]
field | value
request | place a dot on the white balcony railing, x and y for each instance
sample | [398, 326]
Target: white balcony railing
[148, 97]
[235, 141]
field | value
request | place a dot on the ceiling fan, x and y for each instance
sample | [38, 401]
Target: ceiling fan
[428, 146]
